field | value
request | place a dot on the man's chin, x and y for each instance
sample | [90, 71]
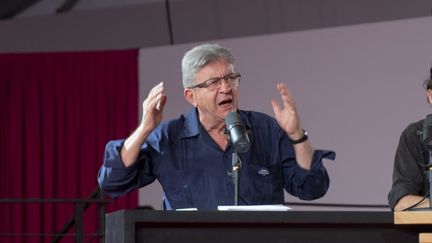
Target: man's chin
[228, 110]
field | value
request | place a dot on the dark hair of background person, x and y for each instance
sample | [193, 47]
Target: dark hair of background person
[427, 85]
[428, 82]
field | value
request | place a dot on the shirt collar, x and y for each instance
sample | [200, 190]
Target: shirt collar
[191, 125]
[245, 119]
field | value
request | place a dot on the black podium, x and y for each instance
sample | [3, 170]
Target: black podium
[130, 226]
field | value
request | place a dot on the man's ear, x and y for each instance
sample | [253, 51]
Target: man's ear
[190, 96]
[429, 95]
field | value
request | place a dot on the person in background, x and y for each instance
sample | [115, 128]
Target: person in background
[191, 156]
[410, 185]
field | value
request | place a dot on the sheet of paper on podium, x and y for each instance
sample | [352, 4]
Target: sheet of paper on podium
[274, 207]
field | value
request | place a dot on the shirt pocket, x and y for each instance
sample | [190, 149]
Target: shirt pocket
[184, 187]
[262, 184]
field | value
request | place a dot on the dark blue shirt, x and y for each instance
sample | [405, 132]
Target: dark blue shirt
[196, 173]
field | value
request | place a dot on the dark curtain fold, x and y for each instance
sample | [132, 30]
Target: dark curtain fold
[58, 110]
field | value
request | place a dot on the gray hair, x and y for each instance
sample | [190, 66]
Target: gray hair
[200, 56]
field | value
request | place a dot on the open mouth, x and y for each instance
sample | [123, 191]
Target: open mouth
[225, 102]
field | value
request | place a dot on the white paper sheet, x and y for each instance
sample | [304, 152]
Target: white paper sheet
[275, 207]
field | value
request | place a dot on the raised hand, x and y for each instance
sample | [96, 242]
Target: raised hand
[288, 119]
[153, 107]
[287, 116]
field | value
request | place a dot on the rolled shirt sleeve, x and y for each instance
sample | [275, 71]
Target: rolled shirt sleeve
[115, 179]
[314, 183]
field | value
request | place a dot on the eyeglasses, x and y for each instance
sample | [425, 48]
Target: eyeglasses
[231, 79]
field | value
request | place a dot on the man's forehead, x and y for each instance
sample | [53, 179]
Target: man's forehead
[216, 68]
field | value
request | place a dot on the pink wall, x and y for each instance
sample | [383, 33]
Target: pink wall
[356, 88]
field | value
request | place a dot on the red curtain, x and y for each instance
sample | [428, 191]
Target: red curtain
[58, 110]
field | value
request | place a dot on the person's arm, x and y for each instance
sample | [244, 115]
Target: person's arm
[152, 115]
[288, 119]
[408, 176]
[118, 175]
[410, 200]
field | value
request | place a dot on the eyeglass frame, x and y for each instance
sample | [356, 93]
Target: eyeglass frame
[208, 82]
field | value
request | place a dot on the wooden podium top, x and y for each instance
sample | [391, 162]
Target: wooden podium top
[413, 217]
[138, 226]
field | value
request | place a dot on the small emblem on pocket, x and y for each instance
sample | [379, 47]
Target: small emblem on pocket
[263, 172]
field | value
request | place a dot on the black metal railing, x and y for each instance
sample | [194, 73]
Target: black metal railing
[77, 219]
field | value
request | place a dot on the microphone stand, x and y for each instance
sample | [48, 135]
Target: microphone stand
[429, 174]
[236, 167]
[426, 139]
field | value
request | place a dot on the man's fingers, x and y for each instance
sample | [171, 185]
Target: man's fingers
[286, 95]
[152, 100]
[154, 97]
[161, 102]
[276, 107]
[155, 91]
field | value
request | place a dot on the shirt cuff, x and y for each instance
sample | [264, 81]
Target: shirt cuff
[112, 155]
[318, 156]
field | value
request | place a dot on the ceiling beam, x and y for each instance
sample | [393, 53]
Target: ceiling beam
[10, 8]
[66, 6]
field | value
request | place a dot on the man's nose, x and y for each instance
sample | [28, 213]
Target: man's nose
[224, 84]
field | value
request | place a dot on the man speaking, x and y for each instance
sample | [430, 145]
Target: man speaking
[192, 156]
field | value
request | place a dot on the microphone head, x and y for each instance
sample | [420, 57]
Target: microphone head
[237, 132]
[232, 119]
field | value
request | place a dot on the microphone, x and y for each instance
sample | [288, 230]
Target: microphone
[237, 132]
[426, 137]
